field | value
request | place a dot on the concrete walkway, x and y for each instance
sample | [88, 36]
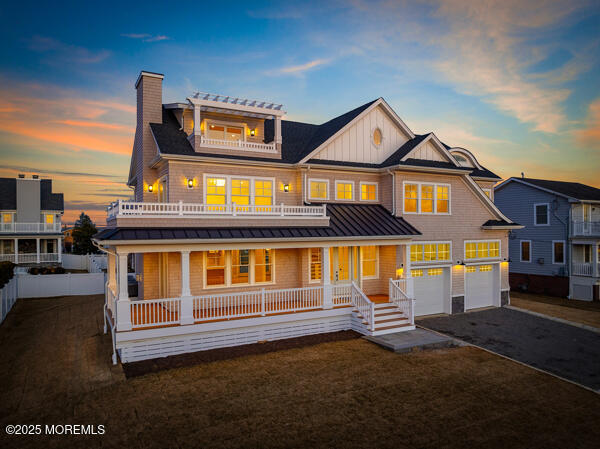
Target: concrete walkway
[410, 341]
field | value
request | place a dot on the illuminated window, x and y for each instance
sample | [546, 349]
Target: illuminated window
[216, 190]
[368, 191]
[344, 190]
[369, 261]
[471, 269]
[240, 266]
[443, 250]
[470, 250]
[240, 191]
[215, 268]
[416, 273]
[435, 272]
[263, 265]
[494, 249]
[49, 218]
[263, 193]
[7, 218]
[416, 253]
[426, 198]
[442, 203]
[485, 268]
[377, 137]
[315, 264]
[482, 250]
[429, 252]
[411, 197]
[319, 190]
[222, 132]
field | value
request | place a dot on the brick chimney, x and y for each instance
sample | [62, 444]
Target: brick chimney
[149, 110]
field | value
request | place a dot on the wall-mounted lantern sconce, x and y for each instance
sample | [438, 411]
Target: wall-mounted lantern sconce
[459, 262]
[190, 183]
[253, 132]
[150, 188]
[286, 187]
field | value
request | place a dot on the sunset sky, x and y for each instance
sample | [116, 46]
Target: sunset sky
[518, 85]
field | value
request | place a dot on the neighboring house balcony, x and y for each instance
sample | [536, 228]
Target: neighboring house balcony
[121, 213]
[585, 228]
[30, 228]
[583, 269]
[31, 249]
[30, 258]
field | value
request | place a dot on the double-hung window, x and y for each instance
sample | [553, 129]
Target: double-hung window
[558, 251]
[243, 191]
[238, 267]
[369, 262]
[225, 132]
[344, 190]
[368, 191]
[482, 249]
[216, 190]
[525, 250]
[315, 264]
[318, 189]
[240, 191]
[541, 213]
[263, 192]
[426, 198]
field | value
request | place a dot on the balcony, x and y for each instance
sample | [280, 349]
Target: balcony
[127, 209]
[585, 228]
[29, 258]
[30, 228]
[238, 145]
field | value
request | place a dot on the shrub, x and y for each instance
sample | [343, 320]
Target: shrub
[7, 271]
[47, 270]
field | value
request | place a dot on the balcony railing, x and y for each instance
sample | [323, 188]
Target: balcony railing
[30, 227]
[583, 269]
[120, 209]
[238, 145]
[586, 228]
[29, 258]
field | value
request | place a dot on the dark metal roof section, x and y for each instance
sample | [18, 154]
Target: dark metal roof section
[501, 223]
[573, 189]
[346, 220]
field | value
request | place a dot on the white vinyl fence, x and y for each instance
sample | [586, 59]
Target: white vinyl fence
[48, 285]
[8, 297]
[94, 263]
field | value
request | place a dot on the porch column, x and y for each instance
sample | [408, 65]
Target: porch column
[187, 304]
[409, 281]
[197, 121]
[123, 304]
[37, 249]
[59, 246]
[327, 289]
[278, 139]
[16, 251]
[110, 268]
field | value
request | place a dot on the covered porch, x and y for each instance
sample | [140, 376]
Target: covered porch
[31, 249]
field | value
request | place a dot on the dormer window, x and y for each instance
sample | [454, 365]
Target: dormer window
[225, 132]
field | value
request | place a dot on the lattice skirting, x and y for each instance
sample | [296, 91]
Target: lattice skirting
[131, 351]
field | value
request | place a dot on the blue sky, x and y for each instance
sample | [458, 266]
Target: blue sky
[519, 85]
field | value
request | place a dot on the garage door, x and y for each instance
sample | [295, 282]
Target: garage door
[429, 290]
[480, 285]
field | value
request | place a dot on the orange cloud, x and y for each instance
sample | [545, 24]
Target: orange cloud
[85, 124]
[590, 135]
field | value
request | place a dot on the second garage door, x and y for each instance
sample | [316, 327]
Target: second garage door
[430, 290]
[480, 285]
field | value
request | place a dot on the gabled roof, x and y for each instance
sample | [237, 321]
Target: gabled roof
[572, 190]
[345, 220]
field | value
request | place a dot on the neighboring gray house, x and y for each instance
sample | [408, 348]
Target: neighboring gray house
[558, 250]
[30, 221]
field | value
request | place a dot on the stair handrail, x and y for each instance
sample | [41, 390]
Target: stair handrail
[400, 299]
[364, 305]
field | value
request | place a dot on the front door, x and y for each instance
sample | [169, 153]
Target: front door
[344, 264]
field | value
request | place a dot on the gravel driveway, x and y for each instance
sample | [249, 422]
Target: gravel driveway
[562, 349]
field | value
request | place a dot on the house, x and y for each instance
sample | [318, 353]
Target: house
[30, 221]
[558, 250]
[248, 227]
[68, 238]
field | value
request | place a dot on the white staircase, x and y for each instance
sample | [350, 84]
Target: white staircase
[388, 319]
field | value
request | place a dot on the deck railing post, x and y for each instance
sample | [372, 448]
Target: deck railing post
[372, 317]
[262, 302]
[327, 296]
[180, 207]
[186, 304]
[282, 212]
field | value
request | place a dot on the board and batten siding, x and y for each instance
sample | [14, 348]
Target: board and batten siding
[355, 143]
[517, 201]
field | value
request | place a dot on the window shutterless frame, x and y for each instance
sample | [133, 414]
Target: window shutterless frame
[437, 260]
[435, 186]
[341, 181]
[376, 184]
[535, 215]
[310, 181]
[488, 241]
[228, 267]
[554, 242]
[228, 183]
[521, 251]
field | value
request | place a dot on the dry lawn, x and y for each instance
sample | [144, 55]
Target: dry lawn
[583, 312]
[340, 394]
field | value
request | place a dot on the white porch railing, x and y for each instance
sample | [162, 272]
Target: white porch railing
[238, 145]
[583, 228]
[7, 258]
[583, 269]
[29, 257]
[8, 297]
[49, 257]
[341, 295]
[155, 312]
[398, 297]
[196, 210]
[30, 227]
[364, 305]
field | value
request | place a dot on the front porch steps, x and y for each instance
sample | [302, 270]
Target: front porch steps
[388, 319]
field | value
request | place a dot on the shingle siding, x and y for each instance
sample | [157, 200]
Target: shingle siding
[517, 201]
